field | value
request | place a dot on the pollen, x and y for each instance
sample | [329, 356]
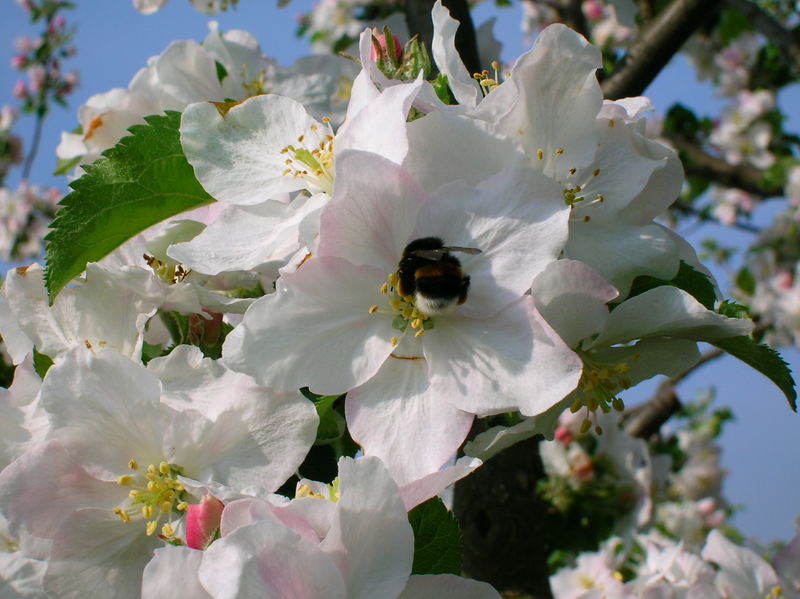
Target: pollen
[311, 158]
[373, 309]
[559, 151]
[155, 495]
[539, 154]
[598, 388]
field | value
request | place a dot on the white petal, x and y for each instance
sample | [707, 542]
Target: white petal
[269, 561]
[237, 157]
[511, 361]
[671, 312]
[372, 215]
[173, 568]
[517, 219]
[316, 330]
[572, 298]
[447, 586]
[426, 487]
[464, 87]
[371, 539]
[399, 418]
[743, 574]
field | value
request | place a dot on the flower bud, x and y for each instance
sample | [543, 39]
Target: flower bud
[202, 522]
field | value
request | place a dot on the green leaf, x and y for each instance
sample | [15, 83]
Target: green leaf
[222, 72]
[141, 181]
[732, 24]
[765, 360]
[150, 351]
[64, 165]
[331, 425]
[746, 281]
[693, 282]
[437, 539]
[682, 120]
[41, 363]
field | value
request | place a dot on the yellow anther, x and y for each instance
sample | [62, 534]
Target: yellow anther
[133, 493]
[586, 219]
[300, 138]
[151, 528]
[373, 309]
[585, 426]
[611, 123]
[326, 119]
[313, 127]
[125, 480]
[600, 198]
[540, 153]
[395, 304]
[416, 323]
[595, 172]
[618, 404]
[576, 405]
[147, 511]
[122, 515]
[408, 311]
[393, 341]
[419, 333]
[181, 506]
[151, 469]
[166, 530]
[133, 465]
[598, 429]
[572, 171]
[385, 288]
[163, 468]
[495, 65]
[151, 486]
[165, 507]
[559, 151]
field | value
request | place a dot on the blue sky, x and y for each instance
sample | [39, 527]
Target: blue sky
[760, 449]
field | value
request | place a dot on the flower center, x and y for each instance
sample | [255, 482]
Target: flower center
[329, 492]
[156, 494]
[312, 158]
[406, 316]
[598, 387]
[170, 274]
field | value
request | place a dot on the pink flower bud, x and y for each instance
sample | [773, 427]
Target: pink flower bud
[19, 91]
[18, 61]
[59, 21]
[564, 435]
[202, 521]
[398, 47]
[592, 10]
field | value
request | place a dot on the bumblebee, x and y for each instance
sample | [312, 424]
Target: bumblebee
[430, 274]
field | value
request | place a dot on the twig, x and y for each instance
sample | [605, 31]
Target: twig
[785, 40]
[741, 176]
[656, 45]
[37, 138]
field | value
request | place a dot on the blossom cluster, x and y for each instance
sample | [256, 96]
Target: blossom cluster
[417, 263]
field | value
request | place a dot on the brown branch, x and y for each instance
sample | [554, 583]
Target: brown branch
[741, 176]
[788, 42]
[656, 45]
[573, 17]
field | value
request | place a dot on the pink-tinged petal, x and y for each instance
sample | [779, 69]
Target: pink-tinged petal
[237, 157]
[371, 540]
[94, 554]
[517, 219]
[45, 485]
[269, 561]
[202, 521]
[398, 417]
[173, 569]
[246, 511]
[572, 298]
[447, 586]
[373, 212]
[551, 100]
[316, 330]
[787, 562]
[669, 312]
[511, 361]
[422, 489]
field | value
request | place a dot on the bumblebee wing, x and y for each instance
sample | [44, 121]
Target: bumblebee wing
[463, 250]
